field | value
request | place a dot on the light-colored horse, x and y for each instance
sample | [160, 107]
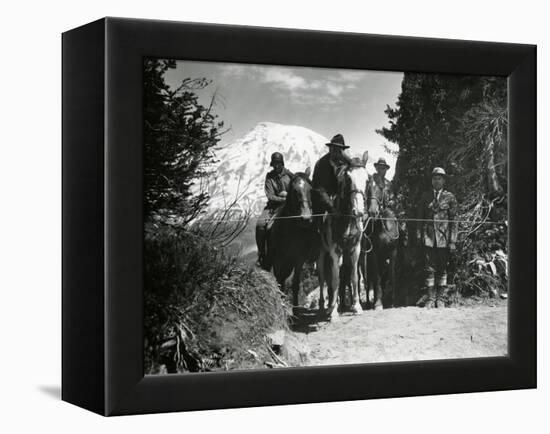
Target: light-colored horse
[341, 237]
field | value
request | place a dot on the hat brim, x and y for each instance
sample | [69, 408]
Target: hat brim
[387, 166]
[338, 145]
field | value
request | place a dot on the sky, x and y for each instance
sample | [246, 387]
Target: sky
[325, 100]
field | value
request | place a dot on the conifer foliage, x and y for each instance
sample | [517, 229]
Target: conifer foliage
[458, 123]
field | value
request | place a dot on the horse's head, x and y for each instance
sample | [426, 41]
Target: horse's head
[352, 189]
[298, 201]
[373, 207]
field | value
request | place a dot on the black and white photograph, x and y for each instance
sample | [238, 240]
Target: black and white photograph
[281, 217]
[301, 216]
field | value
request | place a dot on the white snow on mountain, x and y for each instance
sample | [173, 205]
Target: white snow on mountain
[239, 174]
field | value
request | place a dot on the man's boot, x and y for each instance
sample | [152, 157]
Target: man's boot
[440, 297]
[430, 301]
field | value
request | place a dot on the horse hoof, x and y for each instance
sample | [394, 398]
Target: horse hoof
[378, 306]
[333, 316]
[357, 309]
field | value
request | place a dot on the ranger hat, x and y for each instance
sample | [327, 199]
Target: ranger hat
[438, 171]
[277, 157]
[382, 162]
[338, 140]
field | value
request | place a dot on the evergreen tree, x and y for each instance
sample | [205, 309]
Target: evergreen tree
[179, 134]
[458, 123]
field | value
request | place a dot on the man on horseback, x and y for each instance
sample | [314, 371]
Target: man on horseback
[384, 234]
[276, 186]
[380, 188]
[437, 232]
[325, 182]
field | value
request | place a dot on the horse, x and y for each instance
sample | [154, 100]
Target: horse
[341, 234]
[383, 236]
[292, 239]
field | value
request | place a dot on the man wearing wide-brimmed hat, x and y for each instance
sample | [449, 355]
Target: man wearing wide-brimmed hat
[276, 186]
[324, 181]
[437, 232]
[381, 188]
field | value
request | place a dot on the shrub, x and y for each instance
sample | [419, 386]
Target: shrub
[204, 309]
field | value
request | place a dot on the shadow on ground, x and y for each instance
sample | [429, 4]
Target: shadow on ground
[306, 320]
[51, 391]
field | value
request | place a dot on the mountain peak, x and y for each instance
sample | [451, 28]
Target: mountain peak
[239, 175]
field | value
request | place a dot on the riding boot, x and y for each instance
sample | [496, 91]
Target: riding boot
[430, 301]
[440, 297]
[260, 243]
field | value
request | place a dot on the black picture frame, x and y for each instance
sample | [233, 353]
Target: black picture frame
[103, 220]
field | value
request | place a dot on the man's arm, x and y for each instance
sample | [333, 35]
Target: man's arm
[453, 226]
[391, 199]
[323, 198]
[420, 216]
[316, 177]
[271, 191]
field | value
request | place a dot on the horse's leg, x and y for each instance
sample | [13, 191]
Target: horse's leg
[377, 277]
[354, 269]
[369, 280]
[296, 282]
[281, 271]
[321, 276]
[362, 274]
[333, 285]
[344, 282]
[392, 278]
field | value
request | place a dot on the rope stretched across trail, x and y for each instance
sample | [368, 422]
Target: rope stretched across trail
[504, 222]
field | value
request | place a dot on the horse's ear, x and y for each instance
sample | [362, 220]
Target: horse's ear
[308, 171]
[365, 157]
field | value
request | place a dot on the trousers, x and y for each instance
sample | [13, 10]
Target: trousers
[262, 226]
[436, 260]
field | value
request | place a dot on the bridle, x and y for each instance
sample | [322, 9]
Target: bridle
[377, 217]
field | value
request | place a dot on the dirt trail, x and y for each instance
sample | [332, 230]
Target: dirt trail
[403, 334]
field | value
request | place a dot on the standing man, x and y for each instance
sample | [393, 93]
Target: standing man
[437, 232]
[324, 181]
[380, 188]
[276, 186]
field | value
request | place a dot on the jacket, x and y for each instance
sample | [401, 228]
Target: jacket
[437, 233]
[325, 182]
[274, 185]
[382, 190]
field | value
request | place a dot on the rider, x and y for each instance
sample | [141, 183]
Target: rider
[381, 188]
[276, 186]
[437, 232]
[324, 181]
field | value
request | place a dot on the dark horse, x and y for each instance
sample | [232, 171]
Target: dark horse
[380, 246]
[292, 239]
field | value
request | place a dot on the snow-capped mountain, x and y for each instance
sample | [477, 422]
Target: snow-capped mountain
[241, 166]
